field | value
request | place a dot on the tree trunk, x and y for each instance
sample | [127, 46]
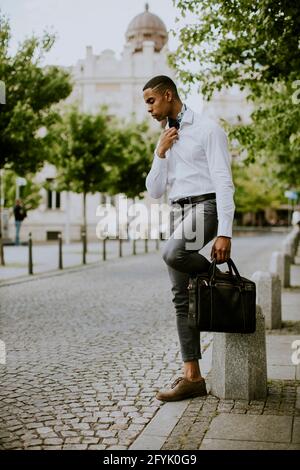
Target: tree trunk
[84, 211]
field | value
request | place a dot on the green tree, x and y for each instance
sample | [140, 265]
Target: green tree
[86, 153]
[255, 188]
[244, 42]
[255, 45]
[273, 136]
[29, 193]
[136, 145]
[31, 93]
[97, 153]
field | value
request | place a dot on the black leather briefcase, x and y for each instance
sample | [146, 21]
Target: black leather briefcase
[222, 302]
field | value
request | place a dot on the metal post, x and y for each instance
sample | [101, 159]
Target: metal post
[146, 245]
[83, 235]
[134, 247]
[2, 261]
[120, 248]
[104, 249]
[30, 264]
[60, 259]
[157, 244]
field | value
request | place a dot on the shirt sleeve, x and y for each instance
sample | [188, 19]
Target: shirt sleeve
[156, 181]
[219, 163]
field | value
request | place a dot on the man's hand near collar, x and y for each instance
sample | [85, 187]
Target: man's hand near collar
[221, 249]
[168, 137]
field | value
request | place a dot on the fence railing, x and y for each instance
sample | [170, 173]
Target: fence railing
[104, 245]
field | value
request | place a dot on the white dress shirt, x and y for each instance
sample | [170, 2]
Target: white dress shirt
[197, 163]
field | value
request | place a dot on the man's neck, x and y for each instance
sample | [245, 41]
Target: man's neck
[176, 109]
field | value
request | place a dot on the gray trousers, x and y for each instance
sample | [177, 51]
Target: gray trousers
[191, 228]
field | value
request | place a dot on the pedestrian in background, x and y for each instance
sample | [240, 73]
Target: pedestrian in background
[20, 214]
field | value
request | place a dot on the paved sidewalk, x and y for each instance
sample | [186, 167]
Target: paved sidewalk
[45, 256]
[87, 348]
[208, 423]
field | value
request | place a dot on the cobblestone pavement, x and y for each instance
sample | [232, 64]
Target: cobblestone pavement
[87, 350]
[191, 428]
[85, 377]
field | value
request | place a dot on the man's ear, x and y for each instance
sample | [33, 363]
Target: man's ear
[169, 95]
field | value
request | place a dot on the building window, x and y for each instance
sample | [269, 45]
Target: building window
[52, 235]
[57, 200]
[107, 199]
[53, 197]
[49, 199]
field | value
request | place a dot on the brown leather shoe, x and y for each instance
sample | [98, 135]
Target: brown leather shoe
[182, 389]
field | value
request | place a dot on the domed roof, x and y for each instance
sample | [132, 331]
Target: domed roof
[147, 27]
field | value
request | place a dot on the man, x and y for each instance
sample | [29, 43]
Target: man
[20, 214]
[192, 158]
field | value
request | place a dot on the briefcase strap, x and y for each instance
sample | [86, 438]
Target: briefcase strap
[231, 266]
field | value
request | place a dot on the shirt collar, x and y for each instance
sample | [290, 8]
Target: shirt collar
[188, 116]
[181, 113]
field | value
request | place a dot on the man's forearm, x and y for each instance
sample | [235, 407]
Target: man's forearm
[156, 180]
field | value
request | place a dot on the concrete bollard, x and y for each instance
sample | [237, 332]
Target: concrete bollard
[281, 264]
[292, 240]
[268, 297]
[289, 247]
[294, 237]
[295, 234]
[295, 231]
[296, 244]
[239, 365]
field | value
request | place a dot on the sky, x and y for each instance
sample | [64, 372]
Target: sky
[101, 24]
[79, 23]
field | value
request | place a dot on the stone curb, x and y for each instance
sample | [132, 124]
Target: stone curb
[157, 431]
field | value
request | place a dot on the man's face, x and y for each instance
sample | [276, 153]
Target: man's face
[158, 104]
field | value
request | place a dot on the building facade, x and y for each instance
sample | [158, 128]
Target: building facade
[116, 82]
[102, 79]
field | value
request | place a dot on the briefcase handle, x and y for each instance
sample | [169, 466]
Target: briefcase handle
[232, 267]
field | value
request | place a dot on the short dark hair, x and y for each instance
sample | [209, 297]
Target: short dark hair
[162, 83]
